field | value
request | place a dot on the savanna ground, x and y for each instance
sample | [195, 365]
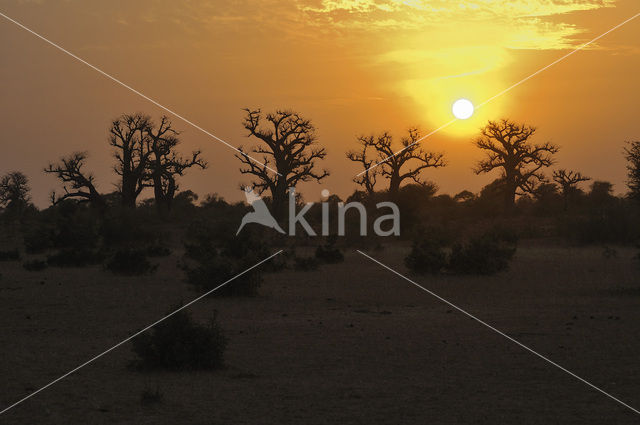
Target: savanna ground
[349, 343]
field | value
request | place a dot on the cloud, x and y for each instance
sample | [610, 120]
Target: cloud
[526, 24]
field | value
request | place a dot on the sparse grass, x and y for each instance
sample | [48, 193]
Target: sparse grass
[367, 314]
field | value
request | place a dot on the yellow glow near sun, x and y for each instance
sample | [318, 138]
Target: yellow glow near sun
[434, 99]
[440, 78]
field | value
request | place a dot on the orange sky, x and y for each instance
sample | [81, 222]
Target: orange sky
[353, 67]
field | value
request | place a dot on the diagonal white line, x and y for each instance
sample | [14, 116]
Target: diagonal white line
[136, 334]
[114, 79]
[500, 333]
[504, 91]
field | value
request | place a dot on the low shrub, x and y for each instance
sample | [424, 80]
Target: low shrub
[180, 343]
[487, 254]
[616, 224]
[130, 262]
[427, 256]
[328, 253]
[149, 396]
[158, 250]
[81, 232]
[246, 244]
[218, 261]
[305, 263]
[38, 239]
[219, 269]
[75, 257]
[10, 255]
[201, 242]
[276, 264]
[35, 265]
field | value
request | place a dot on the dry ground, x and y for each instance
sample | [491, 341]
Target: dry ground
[351, 343]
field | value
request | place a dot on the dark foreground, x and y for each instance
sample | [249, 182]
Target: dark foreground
[350, 343]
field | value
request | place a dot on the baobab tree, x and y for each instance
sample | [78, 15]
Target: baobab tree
[632, 155]
[288, 143]
[367, 157]
[568, 181]
[14, 190]
[129, 135]
[396, 164]
[508, 148]
[165, 164]
[76, 183]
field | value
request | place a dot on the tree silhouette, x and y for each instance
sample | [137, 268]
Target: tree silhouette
[632, 155]
[165, 165]
[129, 135]
[368, 178]
[568, 181]
[76, 184]
[508, 148]
[14, 191]
[464, 196]
[288, 142]
[395, 166]
[601, 192]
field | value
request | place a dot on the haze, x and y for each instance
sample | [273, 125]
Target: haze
[353, 67]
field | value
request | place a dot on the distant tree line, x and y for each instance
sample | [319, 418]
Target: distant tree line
[146, 155]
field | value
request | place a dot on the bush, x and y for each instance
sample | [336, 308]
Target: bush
[35, 265]
[130, 262]
[125, 227]
[249, 243]
[10, 255]
[75, 257]
[201, 244]
[328, 252]
[217, 270]
[487, 254]
[38, 240]
[617, 223]
[78, 232]
[158, 250]
[216, 264]
[305, 263]
[427, 256]
[149, 396]
[180, 343]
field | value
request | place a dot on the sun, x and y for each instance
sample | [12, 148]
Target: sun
[462, 109]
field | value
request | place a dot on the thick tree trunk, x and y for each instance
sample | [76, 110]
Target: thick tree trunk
[510, 194]
[279, 201]
[394, 186]
[129, 197]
